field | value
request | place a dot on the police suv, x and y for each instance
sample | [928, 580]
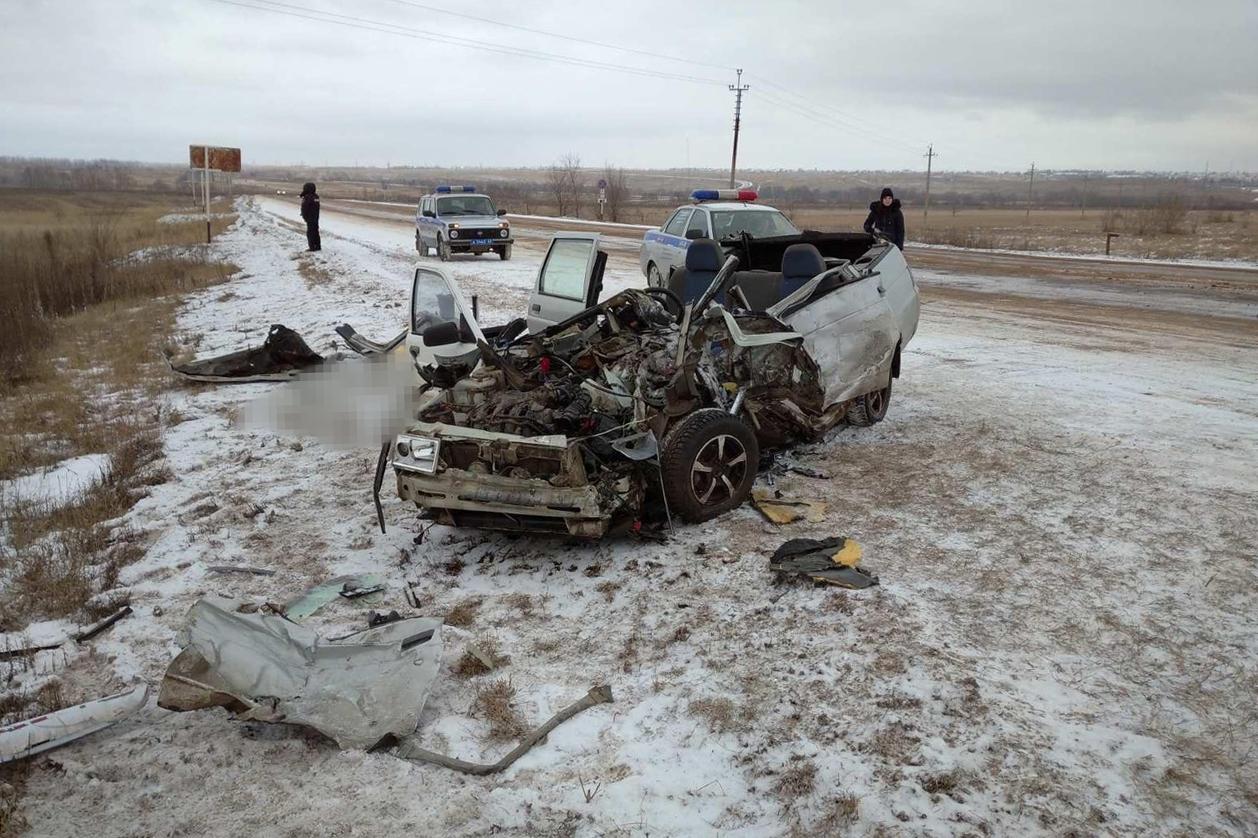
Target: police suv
[719, 214]
[458, 219]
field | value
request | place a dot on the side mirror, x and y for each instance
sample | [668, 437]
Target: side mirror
[693, 234]
[501, 213]
[442, 334]
[429, 214]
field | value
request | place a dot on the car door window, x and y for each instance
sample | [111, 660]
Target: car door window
[677, 224]
[566, 269]
[699, 222]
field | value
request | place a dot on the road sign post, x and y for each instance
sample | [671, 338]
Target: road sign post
[209, 158]
[602, 196]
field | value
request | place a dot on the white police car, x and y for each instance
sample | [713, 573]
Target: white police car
[718, 214]
[458, 219]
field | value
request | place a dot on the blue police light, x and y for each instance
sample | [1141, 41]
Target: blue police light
[446, 190]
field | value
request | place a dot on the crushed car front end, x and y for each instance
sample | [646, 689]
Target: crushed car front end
[470, 477]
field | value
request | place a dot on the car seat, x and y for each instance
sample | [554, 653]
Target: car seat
[703, 262]
[800, 263]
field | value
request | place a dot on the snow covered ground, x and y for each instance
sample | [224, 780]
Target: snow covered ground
[1064, 640]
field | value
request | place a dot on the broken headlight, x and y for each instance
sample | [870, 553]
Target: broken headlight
[416, 453]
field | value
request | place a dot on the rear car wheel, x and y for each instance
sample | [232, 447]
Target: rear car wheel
[443, 249]
[654, 279]
[709, 464]
[871, 408]
[504, 252]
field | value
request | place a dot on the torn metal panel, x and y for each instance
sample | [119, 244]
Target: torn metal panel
[365, 346]
[357, 690]
[281, 356]
[320, 595]
[52, 730]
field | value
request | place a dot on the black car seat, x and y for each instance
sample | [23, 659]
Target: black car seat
[703, 262]
[761, 288]
[800, 263]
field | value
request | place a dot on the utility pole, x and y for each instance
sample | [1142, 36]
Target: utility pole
[1030, 191]
[930, 156]
[737, 88]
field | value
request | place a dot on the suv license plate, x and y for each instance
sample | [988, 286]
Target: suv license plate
[482, 241]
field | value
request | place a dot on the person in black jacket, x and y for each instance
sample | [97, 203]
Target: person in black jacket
[886, 219]
[310, 212]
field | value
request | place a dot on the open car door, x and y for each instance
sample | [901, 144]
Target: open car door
[443, 332]
[570, 279]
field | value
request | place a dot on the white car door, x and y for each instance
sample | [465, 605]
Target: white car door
[442, 328]
[569, 281]
[849, 330]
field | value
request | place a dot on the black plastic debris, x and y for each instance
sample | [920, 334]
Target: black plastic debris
[281, 357]
[832, 561]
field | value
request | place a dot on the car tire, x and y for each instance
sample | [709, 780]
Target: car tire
[871, 408]
[443, 249]
[708, 464]
[504, 252]
[654, 279]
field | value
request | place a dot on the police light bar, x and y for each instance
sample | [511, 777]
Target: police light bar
[724, 195]
[445, 190]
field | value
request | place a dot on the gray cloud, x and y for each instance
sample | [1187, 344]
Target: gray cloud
[993, 84]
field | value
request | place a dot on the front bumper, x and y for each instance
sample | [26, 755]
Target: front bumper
[457, 497]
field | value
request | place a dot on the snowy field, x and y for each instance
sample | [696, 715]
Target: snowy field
[1063, 518]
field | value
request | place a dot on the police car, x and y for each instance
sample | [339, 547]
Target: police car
[458, 219]
[719, 214]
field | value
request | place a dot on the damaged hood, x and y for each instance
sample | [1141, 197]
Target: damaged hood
[356, 690]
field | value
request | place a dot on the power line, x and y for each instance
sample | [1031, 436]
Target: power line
[603, 44]
[354, 22]
[854, 123]
[822, 119]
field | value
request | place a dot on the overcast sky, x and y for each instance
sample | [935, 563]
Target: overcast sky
[994, 84]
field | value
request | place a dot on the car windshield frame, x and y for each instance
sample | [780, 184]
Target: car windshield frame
[446, 205]
[771, 216]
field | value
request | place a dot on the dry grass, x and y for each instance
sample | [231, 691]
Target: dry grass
[312, 272]
[92, 383]
[59, 256]
[797, 780]
[494, 703]
[721, 715]
[464, 612]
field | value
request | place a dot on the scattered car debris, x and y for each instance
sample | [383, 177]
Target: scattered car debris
[357, 690]
[281, 357]
[365, 346]
[408, 750]
[52, 730]
[832, 560]
[781, 509]
[80, 636]
[379, 618]
[349, 587]
[239, 568]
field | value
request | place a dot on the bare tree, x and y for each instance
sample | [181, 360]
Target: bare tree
[617, 192]
[557, 188]
[574, 182]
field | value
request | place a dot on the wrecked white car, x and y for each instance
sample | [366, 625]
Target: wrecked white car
[589, 418]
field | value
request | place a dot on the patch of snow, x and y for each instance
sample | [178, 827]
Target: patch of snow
[59, 484]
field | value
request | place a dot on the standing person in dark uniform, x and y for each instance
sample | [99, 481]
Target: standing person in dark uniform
[885, 218]
[310, 212]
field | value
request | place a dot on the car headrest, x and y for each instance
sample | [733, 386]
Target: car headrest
[802, 261]
[703, 255]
